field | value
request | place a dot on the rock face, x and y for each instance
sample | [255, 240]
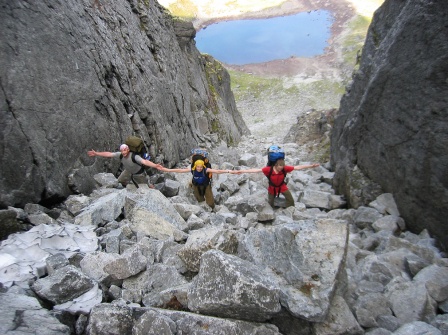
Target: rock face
[86, 74]
[392, 126]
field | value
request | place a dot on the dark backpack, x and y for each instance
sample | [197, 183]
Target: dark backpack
[274, 154]
[201, 154]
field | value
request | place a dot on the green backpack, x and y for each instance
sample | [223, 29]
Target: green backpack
[137, 146]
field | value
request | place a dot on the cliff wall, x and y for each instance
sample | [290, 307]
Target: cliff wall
[77, 75]
[392, 126]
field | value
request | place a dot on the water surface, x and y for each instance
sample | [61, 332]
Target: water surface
[261, 40]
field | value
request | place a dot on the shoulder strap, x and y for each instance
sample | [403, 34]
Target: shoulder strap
[276, 187]
[271, 170]
[133, 158]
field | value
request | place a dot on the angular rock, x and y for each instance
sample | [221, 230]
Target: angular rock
[366, 216]
[170, 188]
[253, 203]
[55, 262]
[435, 279]
[110, 319]
[370, 307]
[175, 297]
[104, 209]
[230, 185]
[186, 210]
[150, 213]
[385, 204]
[82, 304]
[129, 264]
[340, 320]
[152, 322]
[76, 203]
[160, 278]
[64, 284]
[227, 286]
[315, 199]
[410, 302]
[366, 128]
[417, 327]
[202, 240]
[21, 314]
[390, 223]
[247, 160]
[266, 214]
[93, 265]
[41, 218]
[305, 258]
[106, 180]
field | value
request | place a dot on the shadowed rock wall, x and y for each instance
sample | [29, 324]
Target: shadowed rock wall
[392, 122]
[77, 75]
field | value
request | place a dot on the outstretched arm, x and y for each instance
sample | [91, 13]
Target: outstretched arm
[151, 164]
[302, 167]
[164, 169]
[218, 171]
[246, 171]
[93, 153]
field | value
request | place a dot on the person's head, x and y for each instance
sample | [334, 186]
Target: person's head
[198, 165]
[279, 164]
[124, 149]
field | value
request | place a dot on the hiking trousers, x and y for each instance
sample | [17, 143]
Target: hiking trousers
[288, 197]
[202, 193]
[125, 177]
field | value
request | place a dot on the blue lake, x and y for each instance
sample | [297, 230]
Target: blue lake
[256, 41]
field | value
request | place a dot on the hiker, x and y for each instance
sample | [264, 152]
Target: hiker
[202, 189]
[132, 163]
[276, 174]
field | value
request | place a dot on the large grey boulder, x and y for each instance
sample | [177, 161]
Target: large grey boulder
[305, 258]
[104, 209]
[392, 121]
[82, 75]
[121, 319]
[340, 320]
[21, 314]
[230, 287]
[110, 319]
[151, 214]
[202, 240]
[63, 285]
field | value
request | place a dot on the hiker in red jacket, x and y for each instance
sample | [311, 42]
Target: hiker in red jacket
[276, 175]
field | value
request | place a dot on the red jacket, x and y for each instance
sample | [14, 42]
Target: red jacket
[277, 179]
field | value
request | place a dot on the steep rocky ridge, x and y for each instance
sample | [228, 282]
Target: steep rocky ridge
[392, 124]
[86, 74]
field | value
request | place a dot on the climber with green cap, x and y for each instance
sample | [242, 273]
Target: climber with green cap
[202, 189]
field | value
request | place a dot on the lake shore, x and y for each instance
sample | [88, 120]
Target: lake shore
[341, 10]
